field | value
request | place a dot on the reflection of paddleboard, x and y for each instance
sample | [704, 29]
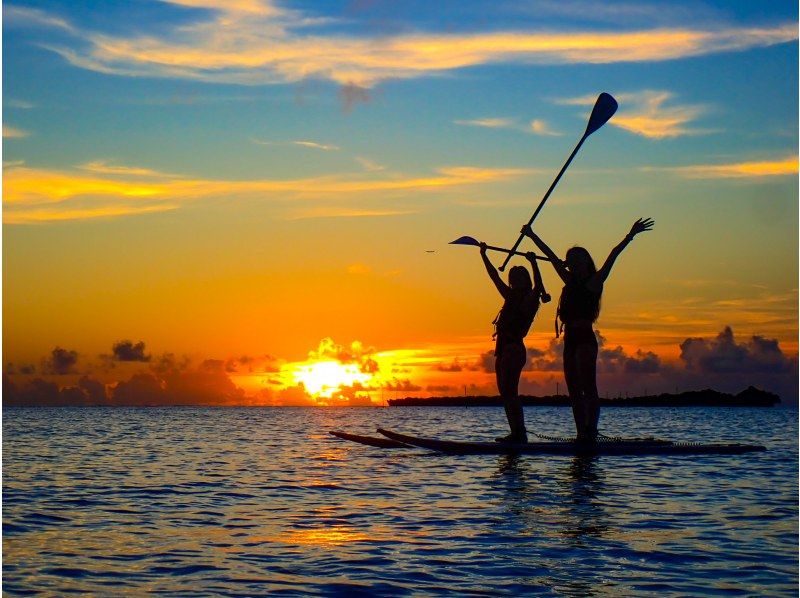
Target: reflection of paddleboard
[612, 447]
[370, 440]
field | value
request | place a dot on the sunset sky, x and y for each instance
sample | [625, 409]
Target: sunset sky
[250, 202]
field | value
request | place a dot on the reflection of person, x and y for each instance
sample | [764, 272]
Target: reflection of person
[578, 308]
[521, 302]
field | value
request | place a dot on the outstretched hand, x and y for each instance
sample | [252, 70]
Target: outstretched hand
[531, 257]
[482, 245]
[640, 226]
[527, 231]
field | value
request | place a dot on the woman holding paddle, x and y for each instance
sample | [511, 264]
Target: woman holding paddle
[578, 308]
[521, 302]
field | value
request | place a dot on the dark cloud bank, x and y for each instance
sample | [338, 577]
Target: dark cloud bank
[722, 363]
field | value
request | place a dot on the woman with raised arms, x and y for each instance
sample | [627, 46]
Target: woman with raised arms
[578, 308]
[521, 302]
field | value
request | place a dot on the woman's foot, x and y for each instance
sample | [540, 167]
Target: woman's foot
[513, 438]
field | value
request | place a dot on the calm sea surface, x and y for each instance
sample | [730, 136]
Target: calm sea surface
[243, 502]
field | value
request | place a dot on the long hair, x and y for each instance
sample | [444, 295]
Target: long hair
[522, 279]
[582, 254]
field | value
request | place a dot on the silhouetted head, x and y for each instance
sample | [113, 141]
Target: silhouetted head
[580, 263]
[519, 279]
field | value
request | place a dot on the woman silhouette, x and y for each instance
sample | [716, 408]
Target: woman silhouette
[521, 302]
[578, 308]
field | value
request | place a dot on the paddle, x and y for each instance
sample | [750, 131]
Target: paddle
[604, 109]
[472, 241]
[465, 240]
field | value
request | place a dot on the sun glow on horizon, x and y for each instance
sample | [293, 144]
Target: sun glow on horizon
[322, 379]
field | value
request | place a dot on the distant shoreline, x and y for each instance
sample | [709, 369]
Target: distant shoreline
[750, 397]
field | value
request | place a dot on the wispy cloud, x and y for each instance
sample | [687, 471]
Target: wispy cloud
[489, 123]
[10, 132]
[736, 170]
[319, 146]
[540, 127]
[28, 191]
[369, 165]
[253, 42]
[60, 214]
[644, 113]
[103, 167]
[20, 104]
[302, 143]
[535, 127]
[22, 16]
[344, 212]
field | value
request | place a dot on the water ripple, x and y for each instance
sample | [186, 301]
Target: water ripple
[245, 502]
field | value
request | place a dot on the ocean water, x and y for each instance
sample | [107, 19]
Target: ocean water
[247, 502]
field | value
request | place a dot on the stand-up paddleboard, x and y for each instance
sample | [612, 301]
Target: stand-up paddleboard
[370, 440]
[603, 447]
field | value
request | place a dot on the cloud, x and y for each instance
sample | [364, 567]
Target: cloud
[251, 7]
[723, 355]
[737, 170]
[42, 393]
[609, 360]
[356, 353]
[315, 145]
[351, 95]
[540, 127]
[337, 212]
[489, 123]
[42, 215]
[25, 369]
[20, 104]
[721, 363]
[301, 143]
[208, 384]
[458, 365]
[401, 386]
[60, 362]
[535, 127]
[256, 43]
[33, 195]
[644, 113]
[439, 388]
[128, 351]
[10, 132]
[103, 167]
[369, 165]
[18, 16]
[265, 364]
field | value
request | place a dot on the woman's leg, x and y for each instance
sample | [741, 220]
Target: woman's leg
[572, 378]
[586, 371]
[508, 369]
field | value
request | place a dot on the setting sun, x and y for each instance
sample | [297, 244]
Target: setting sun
[323, 378]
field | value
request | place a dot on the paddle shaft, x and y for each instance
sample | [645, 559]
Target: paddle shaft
[544, 199]
[510, 253]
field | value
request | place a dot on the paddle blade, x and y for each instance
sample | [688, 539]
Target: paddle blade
[604, 109]
[465, 241]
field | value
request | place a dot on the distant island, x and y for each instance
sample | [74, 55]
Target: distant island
[749, 397]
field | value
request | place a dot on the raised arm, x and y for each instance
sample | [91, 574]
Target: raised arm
[640, 226]
[554, 259]
[502, 287]
[538, 283]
